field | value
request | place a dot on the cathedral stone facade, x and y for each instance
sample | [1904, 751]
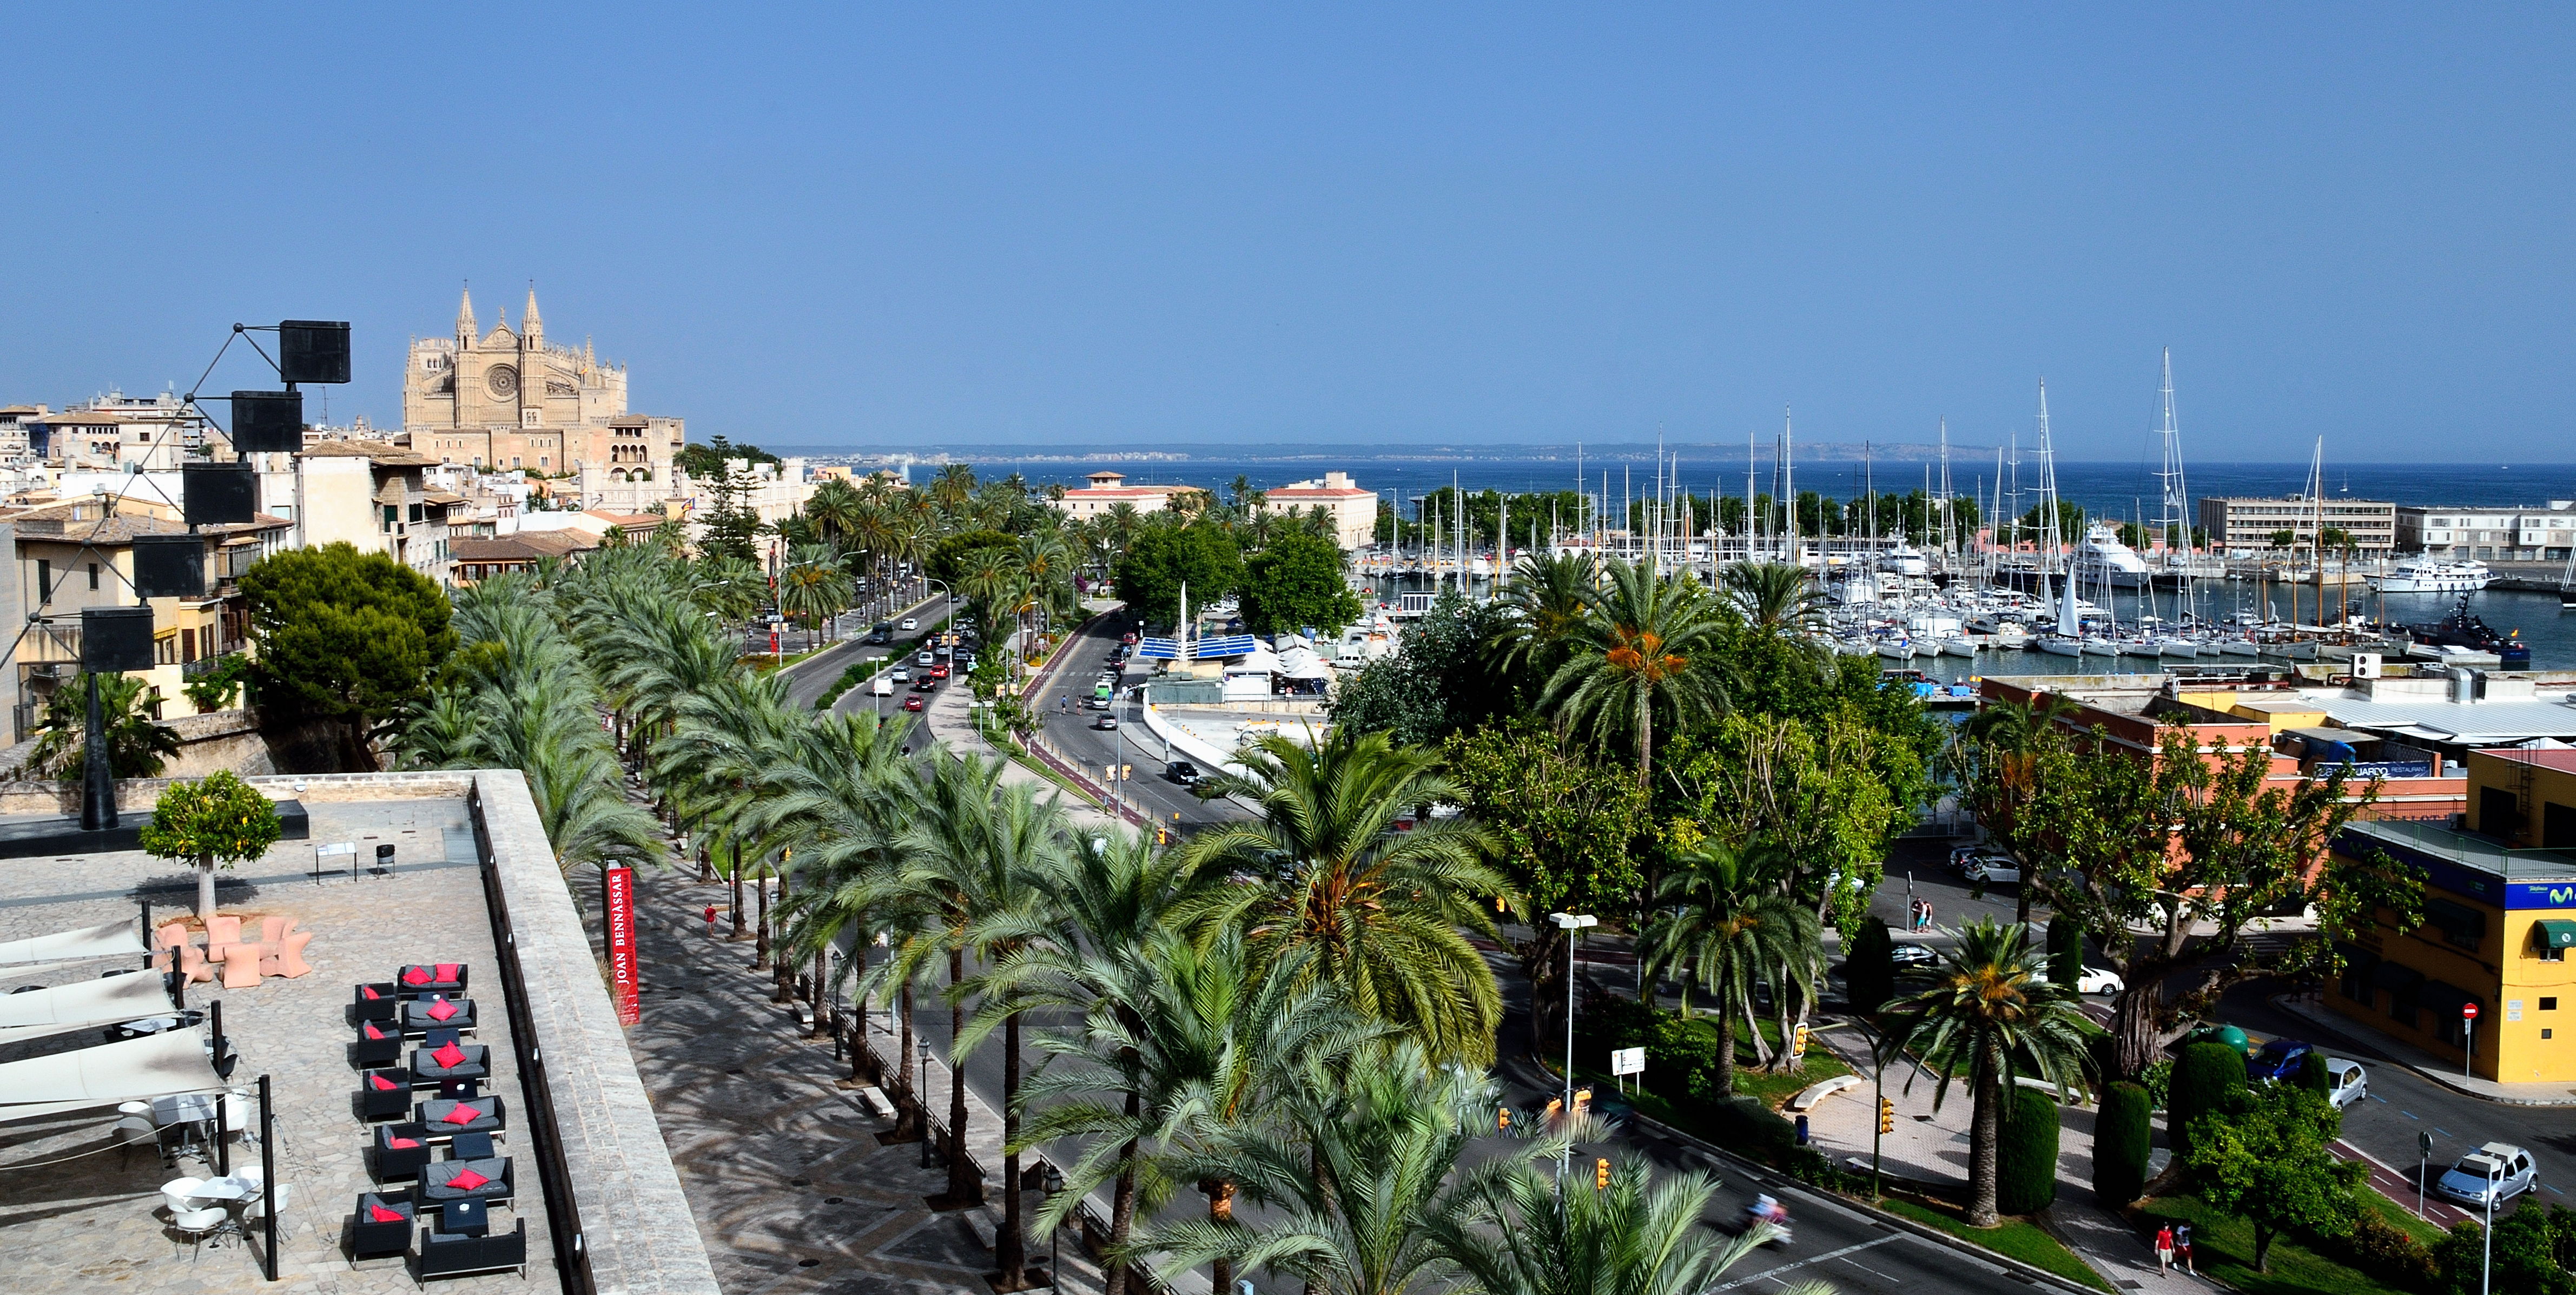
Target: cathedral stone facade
[505, 399]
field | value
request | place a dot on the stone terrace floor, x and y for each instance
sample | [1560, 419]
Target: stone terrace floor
[93, 1221]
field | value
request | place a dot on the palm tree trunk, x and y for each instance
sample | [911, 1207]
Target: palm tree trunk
[909, 1120]
[1725, 1018]
[736, 878]
[964, 1185]
[823, 994]
[1122, 1209]
[1010, 1245]
[1220, 1194]
[1982, 1137]
[1645, 740]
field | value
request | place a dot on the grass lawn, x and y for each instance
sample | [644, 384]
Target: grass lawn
[1818, 1066]
[2027, 1242]
[2401, 1218]
[2225, 1247]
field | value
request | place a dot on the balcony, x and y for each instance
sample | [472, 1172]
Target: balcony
[206, 665]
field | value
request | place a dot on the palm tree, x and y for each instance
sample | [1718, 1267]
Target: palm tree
[953, 486]
[1545, 604]
[1985, 1015]
[1724, 919]
[1651, 640]
[1519, 1235]
[1379, 909]
[1358, 1176]
[835, 509]
[813, 588]
[1778, 598]
[1111, 896]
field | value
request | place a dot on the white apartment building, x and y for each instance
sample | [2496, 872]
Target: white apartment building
[2489, 534]
[1353, 510]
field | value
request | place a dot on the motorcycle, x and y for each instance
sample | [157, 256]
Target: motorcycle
[1767, 1211]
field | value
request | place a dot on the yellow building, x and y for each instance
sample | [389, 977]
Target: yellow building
[2499, 919]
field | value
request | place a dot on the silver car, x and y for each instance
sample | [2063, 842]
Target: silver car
[2489, 1176]
[2346, 1082]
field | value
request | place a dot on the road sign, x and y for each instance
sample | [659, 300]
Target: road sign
[2424, 1144]
[1627, 1061]
[2468, 1011]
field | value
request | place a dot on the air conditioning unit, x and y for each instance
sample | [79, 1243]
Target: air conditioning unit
[2365, 665]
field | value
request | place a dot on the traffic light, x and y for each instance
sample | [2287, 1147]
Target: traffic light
[1601, 1173]
[1582, 1100]
[1503, 1119]
[1886, 1116]
[1798, 1046]
[1555, 1108]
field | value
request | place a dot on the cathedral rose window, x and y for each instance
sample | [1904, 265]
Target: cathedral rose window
[502, 381]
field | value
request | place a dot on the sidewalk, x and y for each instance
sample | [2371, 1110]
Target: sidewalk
[2446, 1073]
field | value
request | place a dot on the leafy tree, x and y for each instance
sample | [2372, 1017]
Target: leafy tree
[1378, 912]
[215, 689]
[2026, 1162]
[216, 821]
[1565, 833]
[1295, 582]
[2065, 951]
[1652, 641]
[346, 638]
[1437, 681]
[2534, 1248]
[2123, 1138]
[2268, 1158]
[1722, 921]
[731, 527]
[1814, 794]
[956, 555]
[137, 745]
[1985, 1017]
[706, 460]
[2185, 842]
[1161, 559]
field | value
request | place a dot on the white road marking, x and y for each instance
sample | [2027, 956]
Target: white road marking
[1830, 1254]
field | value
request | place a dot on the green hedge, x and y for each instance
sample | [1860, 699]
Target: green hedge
[1869, 968]
[2026, 1156]
[2123, 1138]
[2202, 1080]
[2313, 1074]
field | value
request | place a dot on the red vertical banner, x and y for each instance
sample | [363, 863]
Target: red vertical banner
[619, 884]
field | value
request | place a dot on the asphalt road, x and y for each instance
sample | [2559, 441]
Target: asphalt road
[1131, 744]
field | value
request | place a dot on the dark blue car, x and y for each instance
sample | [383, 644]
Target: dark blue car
[2279, 1059]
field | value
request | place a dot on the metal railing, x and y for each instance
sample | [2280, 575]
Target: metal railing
[536, 1093]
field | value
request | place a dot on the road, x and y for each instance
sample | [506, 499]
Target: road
[809, 678]
[1130, 745]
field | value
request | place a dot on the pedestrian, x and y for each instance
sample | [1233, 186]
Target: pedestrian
[2164, 1249]
[1927, 915]
[1913, 915]
[711, 919]
[2182, 1248]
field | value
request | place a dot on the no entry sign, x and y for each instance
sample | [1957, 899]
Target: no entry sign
[2468, 1011]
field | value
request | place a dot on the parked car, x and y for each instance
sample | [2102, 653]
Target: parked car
[2346, 1082]
[1182, 772]
[2491, 1175]
[2278, 1059]
[912, 702]
[1105, 722]
[911, 623]
[1913, 955]
[2092, 980]
[1988, 869]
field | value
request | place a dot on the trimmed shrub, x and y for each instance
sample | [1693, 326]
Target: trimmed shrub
[2376, 1246]
[2026, 1157]
[1869, 968]
[2065, 952]
[2202, 1081]
[2123, 1137]
[2157, 1079]
[2313, 1074]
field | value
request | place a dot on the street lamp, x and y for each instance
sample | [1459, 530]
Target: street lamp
[1569, 923]
[921, 1098]
[1055, 1235]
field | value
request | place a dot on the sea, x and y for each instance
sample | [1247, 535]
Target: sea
[2127, 489]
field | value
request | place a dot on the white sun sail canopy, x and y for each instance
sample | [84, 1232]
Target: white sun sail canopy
[80, 1005]
[158, 1065]
[112, 939]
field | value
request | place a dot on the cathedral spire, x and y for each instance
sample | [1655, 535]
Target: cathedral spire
[465, 329]
[533, 327]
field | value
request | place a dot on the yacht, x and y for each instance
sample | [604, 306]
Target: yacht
[1904, 560]
[2434, 576]
[2102, 559]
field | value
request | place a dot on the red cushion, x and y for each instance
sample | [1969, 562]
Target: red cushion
[448, 1056]
[462, 1114]
[416, 976]
[369, 991]
[467, 1181]
[447, 971]
[383, 1085]
[379, 1214]
[372, 1031]
[441, 1010]
[401, 1144]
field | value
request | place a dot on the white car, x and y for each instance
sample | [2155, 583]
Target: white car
[2100, 981]
[2346, 1082]
[901, 675]
[911, 623]
[1991, 869]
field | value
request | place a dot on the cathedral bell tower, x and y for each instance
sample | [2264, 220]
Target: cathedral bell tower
[532, 369]
[465, 320]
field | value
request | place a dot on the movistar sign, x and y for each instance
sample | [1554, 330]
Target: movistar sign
[2540, 894]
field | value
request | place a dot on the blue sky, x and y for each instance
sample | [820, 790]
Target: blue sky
[1375, 225]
